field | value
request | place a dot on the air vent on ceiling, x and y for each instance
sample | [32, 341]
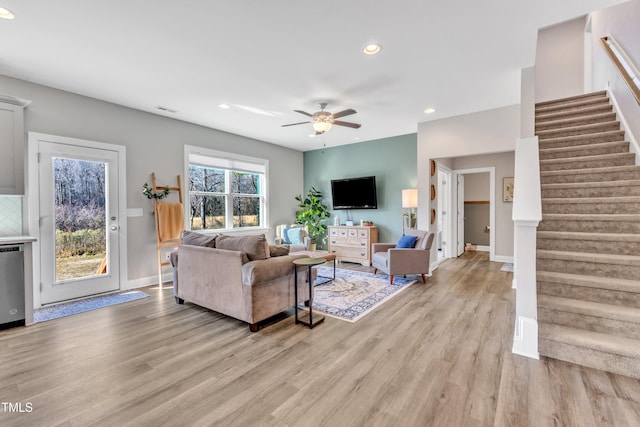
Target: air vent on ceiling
[165, 109]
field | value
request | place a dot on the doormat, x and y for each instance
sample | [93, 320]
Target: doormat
[80, 306]
[353, 294]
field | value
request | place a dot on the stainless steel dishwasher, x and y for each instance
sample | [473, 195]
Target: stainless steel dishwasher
[11, 286]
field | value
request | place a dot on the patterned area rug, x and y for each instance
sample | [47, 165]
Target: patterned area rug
[353, 294]
[80, 306]
[508, 267]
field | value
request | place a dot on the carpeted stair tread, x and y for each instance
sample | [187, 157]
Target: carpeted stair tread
[592, 217]
[590, 308]
[577, 140]
[582, 96]
[610, 160]
[575, 235]
[580, 185]
[568, 104]
[588, 200]
[576, 121]
[610, 283]
[586, 257]
[603, 342]
[588, 110]
[584, 150]
[578, 130]
[606, 169]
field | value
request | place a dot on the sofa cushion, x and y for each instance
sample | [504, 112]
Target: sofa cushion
[380, 258]
[261, 271]
[278, 250]
[199, 239]
[255, 246]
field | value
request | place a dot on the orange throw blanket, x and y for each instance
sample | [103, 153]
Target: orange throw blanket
[170, 220]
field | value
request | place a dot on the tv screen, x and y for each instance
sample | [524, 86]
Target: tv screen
[354, 193]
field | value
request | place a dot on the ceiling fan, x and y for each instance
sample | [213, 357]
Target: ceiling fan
[323, 120]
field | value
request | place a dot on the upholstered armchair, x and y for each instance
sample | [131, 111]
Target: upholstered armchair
[393, 260]
[294, 235]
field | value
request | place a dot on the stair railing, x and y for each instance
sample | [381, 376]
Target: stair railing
[623, 63]
[527, 214]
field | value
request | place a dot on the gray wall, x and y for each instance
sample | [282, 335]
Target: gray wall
[153, 143]
[391, 160]
[476, 216]
[560, 61]
[621, 22]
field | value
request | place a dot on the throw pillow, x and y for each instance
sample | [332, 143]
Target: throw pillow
[407, 241]
[285, 238]
[278, 250]
[294, 235]
[256, 246]
[199, 239]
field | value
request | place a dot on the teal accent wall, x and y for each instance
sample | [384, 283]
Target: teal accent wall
[393, 161]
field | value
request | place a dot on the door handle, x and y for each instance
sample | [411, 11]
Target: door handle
[114, 228]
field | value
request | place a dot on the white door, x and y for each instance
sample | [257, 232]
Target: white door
[460, 215]
[79, 220]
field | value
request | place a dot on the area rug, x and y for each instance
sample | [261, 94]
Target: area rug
[80, 306]
[508, 267]
[354, 294]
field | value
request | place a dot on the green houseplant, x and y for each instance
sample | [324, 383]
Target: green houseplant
[312, 214]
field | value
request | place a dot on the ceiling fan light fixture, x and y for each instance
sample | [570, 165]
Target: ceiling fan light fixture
[6, 13]
[372, 49]
[321, 127]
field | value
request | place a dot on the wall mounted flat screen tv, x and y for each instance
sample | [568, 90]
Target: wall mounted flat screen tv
[354, 193]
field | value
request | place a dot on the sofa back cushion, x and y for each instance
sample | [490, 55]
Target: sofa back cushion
[256, 246]
[199, 239]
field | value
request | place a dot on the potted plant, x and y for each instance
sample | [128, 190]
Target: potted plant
[312, 214]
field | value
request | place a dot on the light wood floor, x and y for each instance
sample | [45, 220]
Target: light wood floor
[435, 355]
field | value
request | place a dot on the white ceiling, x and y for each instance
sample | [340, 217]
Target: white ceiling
[266, 58]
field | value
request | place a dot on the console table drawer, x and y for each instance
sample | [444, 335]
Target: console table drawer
[352, 243]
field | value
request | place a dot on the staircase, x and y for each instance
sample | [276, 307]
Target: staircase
[588, 256]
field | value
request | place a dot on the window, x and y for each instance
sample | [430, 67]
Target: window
[226, 191]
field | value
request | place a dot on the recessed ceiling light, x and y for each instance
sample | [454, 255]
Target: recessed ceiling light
[224, 106]
[313, 135]
[371, 49]
[430, 110]
[6, 13]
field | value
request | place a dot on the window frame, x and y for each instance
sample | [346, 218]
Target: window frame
[229, 162]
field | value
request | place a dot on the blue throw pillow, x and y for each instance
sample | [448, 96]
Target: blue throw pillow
[285, 237]
[407, 241]
[294, 235]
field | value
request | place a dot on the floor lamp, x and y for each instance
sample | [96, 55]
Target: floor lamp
[410, 204]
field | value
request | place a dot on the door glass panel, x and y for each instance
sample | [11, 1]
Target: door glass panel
[80, 218]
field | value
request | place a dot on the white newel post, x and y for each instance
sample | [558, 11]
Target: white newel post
[527, 213]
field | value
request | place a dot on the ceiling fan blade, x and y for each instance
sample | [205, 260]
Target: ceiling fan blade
[344, 113]
[303, 112]
[293, 124]
[347, 124]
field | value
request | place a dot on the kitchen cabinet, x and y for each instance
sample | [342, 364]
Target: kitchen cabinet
[12, 148]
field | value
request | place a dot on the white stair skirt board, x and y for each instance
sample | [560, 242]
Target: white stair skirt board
[525, 338]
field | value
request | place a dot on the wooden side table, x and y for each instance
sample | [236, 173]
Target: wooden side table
[309, 262]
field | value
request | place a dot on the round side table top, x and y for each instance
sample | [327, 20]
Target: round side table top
[309, 261]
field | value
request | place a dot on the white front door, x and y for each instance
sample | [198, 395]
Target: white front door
[79, 205]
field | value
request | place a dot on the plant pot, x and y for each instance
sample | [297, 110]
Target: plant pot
[313, 247]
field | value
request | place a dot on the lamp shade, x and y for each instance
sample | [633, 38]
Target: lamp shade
[321, 126]
[410, 198]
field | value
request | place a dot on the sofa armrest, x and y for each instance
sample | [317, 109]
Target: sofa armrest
[256, 272]
[382, 247]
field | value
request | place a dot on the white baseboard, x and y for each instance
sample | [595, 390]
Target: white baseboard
[433, 266]
[502, 258]
[148, 281]
[483, 248]
[525, 338]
